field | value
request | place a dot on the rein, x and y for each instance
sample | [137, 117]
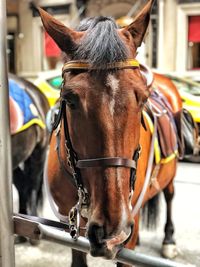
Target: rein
[76, 164]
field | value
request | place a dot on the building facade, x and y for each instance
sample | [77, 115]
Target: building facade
[129, 8]
[188, 36]
[172, 43]
[26, 38]
[179, 36]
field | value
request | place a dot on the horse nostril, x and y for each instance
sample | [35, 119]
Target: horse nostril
[96, 233]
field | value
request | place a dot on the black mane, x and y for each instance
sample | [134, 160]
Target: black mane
[101, 44]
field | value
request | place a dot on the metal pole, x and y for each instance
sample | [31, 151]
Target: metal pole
[125, 256]
[161, 35]
[6, 225]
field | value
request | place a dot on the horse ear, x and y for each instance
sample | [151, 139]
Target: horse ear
[139, 26]
[64, 37]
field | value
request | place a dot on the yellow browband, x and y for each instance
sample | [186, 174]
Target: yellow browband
[84, 65]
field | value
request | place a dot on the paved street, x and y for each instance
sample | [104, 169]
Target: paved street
[186, 213]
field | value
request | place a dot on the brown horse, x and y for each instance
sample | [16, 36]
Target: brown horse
[29, 147]
[94, 150]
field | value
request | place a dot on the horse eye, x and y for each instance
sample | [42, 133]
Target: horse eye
[72, 100]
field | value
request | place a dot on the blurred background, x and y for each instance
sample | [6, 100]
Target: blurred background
[173, 42]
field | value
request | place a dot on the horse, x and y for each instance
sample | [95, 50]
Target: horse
[187, 129]
[29, 146]
[101, 141]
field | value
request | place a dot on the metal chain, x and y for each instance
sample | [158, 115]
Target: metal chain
[75, 212]
[69, 157]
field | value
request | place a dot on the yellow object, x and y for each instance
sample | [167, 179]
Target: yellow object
[129, 63]
[192, 104]
[157, 152]
[190, 94]
[169, 158]
[156, 145]
[51, 94]
[124, 21]
[37, 121]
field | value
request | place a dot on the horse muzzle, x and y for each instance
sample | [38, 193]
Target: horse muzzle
[103, 246]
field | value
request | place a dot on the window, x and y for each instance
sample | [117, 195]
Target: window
[193, 42]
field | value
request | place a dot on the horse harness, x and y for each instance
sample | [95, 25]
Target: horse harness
[76, 164]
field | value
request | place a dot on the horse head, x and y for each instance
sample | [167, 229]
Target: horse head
[104, 90]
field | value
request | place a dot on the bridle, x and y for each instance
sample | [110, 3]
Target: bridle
[77, 164]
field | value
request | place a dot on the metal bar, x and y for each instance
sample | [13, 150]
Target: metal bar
[130, 257]
[6, 225]
[125, 256]
[36, 230]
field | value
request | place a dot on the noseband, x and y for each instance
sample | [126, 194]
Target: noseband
[76, 164]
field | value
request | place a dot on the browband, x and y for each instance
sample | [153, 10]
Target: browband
[84, 65]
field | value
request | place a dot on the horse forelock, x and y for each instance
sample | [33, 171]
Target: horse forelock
[101, 44]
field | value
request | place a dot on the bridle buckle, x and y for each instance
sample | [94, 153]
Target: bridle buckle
[75, 213]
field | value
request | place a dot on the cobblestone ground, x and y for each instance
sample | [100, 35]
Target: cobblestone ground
[186, 213]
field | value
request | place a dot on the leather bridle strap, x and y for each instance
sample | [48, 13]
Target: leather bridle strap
[106, 162]
[77, 164]
[71, 152]
[84, 65]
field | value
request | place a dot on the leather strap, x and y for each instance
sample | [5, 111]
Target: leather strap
[84, 65]
[140, 199]
[106, 162]
[75, 175]
[76, 164]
